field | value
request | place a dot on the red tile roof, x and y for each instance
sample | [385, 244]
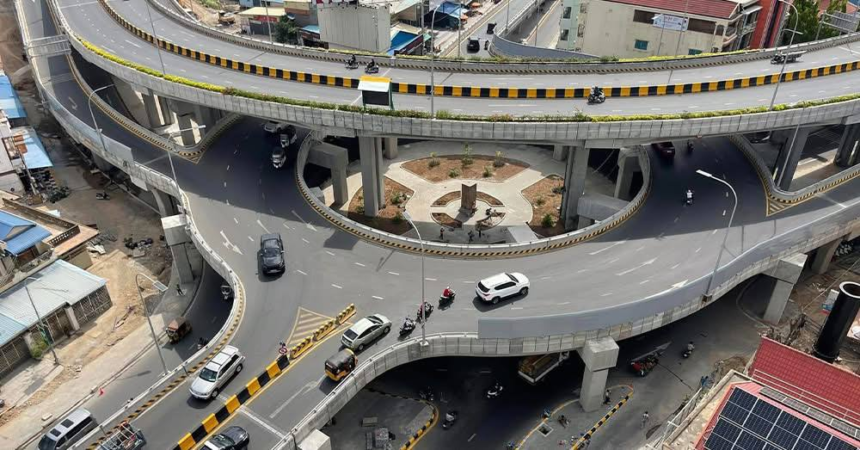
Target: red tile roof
[808, 379]
[722, 9]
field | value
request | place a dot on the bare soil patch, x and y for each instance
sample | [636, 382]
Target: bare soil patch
[446, 221]
[544, 201]
[455, 195]
[452, 164]
[390, 218]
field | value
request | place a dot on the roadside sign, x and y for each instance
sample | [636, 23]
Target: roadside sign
[668, 22]
[283, 350]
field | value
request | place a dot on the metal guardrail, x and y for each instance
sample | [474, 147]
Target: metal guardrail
[500, 67]
[469, 250]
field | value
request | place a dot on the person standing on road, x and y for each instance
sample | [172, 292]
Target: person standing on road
[645, 418]
[441, 233]
[606, 397]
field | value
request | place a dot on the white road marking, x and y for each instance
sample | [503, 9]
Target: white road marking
[698, 249]
[329, 253]
[359, 264]
[287, 226]
[724, 212]
[582, 270]
[236, 220]
[299, 271]
[469, 282]
[515, 308]
[470, 437]
[563, 303]
[132, 43]
[676, 220]
[306, 388]
[74, 105]
[394, 273]
[263, 226]
[250, 239]
[644, 281]
[306, 241]
[377, 297]
[229, 244]
[225, 184]
[336, 286]
[714, 232]
[840, 205]
[607, 294]
[607, 247]
[646, 263]
[228, 167]
[676, 265]
[430, 279]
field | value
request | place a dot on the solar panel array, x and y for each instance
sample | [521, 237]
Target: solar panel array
[748, 423]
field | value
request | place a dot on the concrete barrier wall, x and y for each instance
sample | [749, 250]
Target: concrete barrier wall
[497, 66]
[502, 47]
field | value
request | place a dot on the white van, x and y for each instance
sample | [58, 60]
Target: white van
[69, 431]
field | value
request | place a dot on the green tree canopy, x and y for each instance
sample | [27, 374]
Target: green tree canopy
[286, 31]
[807, 21]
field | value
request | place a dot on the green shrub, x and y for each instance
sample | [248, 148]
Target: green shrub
[359, 209]
[467, 159]
[453, 173]
[488, 172]
[213, 4]
[499, 160]
[540, 201]
[434, 161]
[558, 189]
[547, 221]
[398, 218]
[40, 345]
[398, 198]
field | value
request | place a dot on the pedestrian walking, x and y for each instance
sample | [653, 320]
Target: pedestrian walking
[441, 233]
[606, 397]
[645, 418]
[471, 236]
[480, 232]
[179, 289]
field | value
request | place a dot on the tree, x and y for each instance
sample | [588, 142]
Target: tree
[808, 21]
[286, 31]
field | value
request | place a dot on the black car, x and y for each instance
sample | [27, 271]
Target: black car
[474, 45]
[230, 439]
[664, 149]
[272, 253]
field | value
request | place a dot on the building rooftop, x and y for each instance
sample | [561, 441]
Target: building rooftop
[20, 234]
[722, 9]
[57, 285]
[262, 11]
[9, 101]
[30, 146]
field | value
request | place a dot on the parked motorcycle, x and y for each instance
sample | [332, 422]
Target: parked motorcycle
[102, 196]
[426, 394]
[495, 391]
[688, 351]
[450, 418]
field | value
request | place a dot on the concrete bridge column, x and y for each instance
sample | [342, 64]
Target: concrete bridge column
[101, 163]
[164, 106]
[628, 164]
[786, 163]
[206, 116]
[153, 115]
[176, 238]
[166, 204]
[390, 148]
[574, 184]
[317, 440]
[599, 356]
[371, 175]
[786, 273]
[185, 117]
[559, 152]
[846, 156]
[823, 256]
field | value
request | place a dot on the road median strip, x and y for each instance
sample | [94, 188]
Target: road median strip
[272, 372]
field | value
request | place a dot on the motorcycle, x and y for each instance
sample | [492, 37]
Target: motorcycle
[495, 391]
[450, 418]
[447, 300]
[427, 312]
[352, 65]
[407, 327]
[371, 70]
[689, 146]
[687, 352]
[426, 394]
[596, 96]
[689, 199]
[487, 44]
[102, 196]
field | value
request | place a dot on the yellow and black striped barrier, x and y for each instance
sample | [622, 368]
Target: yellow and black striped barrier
[588, 434]
[344, 315]
[325, 329]
[486, 92]
[301, 347]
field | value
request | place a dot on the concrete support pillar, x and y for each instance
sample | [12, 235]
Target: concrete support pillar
[583, 222]
[206, 116]
[786, 273]
[317, 440]
[185, 118]
[559, 152]
[153, 114]
[391, 148]
[574, 184]
[371, 176]
[73, 319]
[176, 238]
[599, 356]
[628, 164]
[166, 204]
[847, 154]
[166, 113]
[789, 156]
[823, 256]
[101, 163]
[336, 159]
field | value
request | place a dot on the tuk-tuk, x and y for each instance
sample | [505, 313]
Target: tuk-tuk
[340, 364]
[177, 329]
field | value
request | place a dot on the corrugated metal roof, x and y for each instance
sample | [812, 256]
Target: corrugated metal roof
[722, 9]
[12, 225]
[9, 101]
[34, 153]
[20, 234]
[53, 287]
[9, 328]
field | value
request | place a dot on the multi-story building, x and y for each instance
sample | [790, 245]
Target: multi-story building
[640, 28]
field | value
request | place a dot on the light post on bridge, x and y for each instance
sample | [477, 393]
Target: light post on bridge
[785, 53]
[93, 116]
[154, 36]
[433, 63]
[160, 287]
[170, 153]
[728, 227]
[423, 299]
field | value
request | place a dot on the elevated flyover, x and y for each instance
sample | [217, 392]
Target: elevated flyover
[570, 303]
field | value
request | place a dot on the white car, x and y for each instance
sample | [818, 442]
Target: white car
[501, 286]
[365, 331]
[217, 372]
[272, 127]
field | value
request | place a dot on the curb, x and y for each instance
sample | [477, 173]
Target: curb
[588, 434]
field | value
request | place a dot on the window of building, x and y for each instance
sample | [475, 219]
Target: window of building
[701, 26]
[581, 30]
[720, 30]
[694, 52]
[640, 44]
[566, 13]
[583, 8]
[643, 16]
[564, 33]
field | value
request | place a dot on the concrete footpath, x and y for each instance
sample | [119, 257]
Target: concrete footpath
[93, 379]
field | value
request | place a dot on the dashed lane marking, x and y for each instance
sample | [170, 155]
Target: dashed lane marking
[336, 286]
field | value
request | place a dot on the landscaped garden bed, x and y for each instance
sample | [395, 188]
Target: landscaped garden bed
[390, 217]
[545, 198]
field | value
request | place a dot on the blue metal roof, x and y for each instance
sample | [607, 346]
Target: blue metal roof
[9, 328]
[452, 9]
[401, 40]
[20, 234]
[312, 28]
[9, 102]
[35, 157]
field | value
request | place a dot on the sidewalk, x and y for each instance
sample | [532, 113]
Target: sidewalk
[42, 393]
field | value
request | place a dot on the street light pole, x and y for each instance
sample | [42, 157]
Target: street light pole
[161, 288]
[728, 227]
[170, 154]
[93, 116]
[785, 53]
[154, 36]
[507, 15]
[423, 298]
[41, 321]
[269, 21]
[433, 63]
[680, 36]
